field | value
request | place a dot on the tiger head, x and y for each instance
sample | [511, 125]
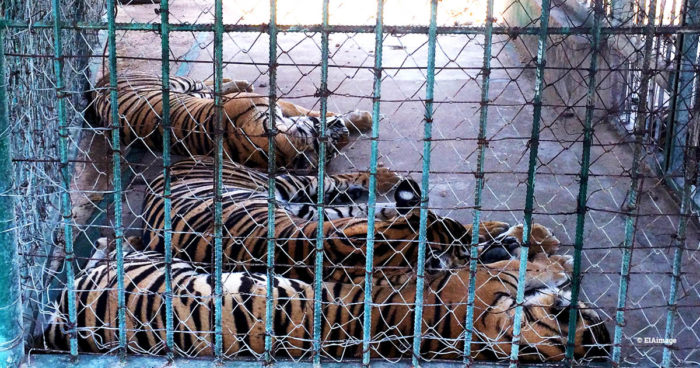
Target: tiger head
[545, 314]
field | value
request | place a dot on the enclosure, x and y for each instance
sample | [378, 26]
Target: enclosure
[579, 116]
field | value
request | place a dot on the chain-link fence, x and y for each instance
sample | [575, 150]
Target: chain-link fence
[165, 160]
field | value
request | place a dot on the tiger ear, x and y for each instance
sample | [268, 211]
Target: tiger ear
[407, 196]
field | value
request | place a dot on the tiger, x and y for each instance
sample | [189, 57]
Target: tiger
[344, 230]
[245, 114]
[543, 338]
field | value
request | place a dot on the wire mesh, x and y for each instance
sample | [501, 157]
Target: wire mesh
[594, 152]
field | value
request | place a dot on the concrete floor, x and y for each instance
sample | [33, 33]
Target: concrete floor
[454, 155]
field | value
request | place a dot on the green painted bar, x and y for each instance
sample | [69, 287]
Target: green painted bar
[531, 173]
[683, 88]
[116, 175]
[687, 74]
[479, 176]
[100, 361]
[11, 339]
[632, 198]
[679, 244]
[66, 205]
[318, 267]
[271, 172]
[581, 209]
[185, 27]
[425, 186]
[167, 224]
[218, 178]
[369, 258]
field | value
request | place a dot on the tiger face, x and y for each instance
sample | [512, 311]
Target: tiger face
[545, 315]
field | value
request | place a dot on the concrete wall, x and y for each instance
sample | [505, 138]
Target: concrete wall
[568, 57]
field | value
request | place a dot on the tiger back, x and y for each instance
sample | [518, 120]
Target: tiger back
[344, 231]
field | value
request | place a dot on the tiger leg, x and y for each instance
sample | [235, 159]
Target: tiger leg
[360, 120]
[289, 109]
[300, 136]
[309, 212]
[231, 86]
[340, 188]
[507, 244]
[404, 197]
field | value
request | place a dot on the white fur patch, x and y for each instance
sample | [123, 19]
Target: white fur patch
[231, 281]
[406, 195]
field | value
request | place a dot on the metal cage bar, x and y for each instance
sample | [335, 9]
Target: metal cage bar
[116, 174]
[581, 209]
[425, 185]
[690, 47]
[479, 176]
[531, 173]
[633, 196]
[307, 28]
[167, 223]
[271, 172]
[66, 205]
[369, 260]
[11, 339]
[318, 266]
[682, 101]
[679, 244]
[218, 178]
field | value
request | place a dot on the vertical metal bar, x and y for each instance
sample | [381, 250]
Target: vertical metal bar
[318, 268]
[66, 205]
[369, 260]
[116, 173]
[271, 172]
[167, 223]
[425, 184]
[581, 209]
[679, 242]
[479, 176]
[683, 101]
[690, 44]
[677, 49]
[11, 339]
[630, 223]
[218, 178]
[531, 173]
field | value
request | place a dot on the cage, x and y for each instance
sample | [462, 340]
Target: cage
[574, 120]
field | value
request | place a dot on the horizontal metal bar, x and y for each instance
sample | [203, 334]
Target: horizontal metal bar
[311, 28]
[99, 361]
[352, 66]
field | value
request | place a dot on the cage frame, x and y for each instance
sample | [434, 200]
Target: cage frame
[11, 342]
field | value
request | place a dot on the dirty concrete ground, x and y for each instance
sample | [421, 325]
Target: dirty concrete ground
[453, 157]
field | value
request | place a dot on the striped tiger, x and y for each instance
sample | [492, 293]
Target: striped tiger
[544, 319]
[245, 126]
[245, 216]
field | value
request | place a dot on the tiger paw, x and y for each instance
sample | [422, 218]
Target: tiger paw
[234, 86]
[386, 179]
[359, 120]
[542, 240]
[488, 230]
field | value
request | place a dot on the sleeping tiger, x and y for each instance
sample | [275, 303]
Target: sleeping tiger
[544, 330]
[245, 215]
[245, 114]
